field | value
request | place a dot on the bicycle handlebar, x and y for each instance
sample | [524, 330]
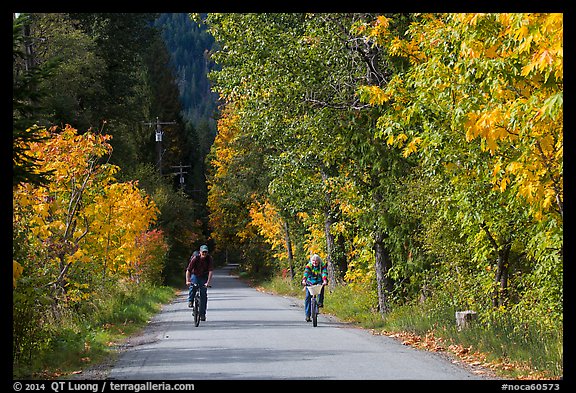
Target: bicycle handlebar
[207, 286]
[309, 284]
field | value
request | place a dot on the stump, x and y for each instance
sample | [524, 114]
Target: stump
[465, 318]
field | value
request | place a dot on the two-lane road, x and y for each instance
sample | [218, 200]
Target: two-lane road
[252, 335]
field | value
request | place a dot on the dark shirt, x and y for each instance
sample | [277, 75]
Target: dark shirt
[201, 265]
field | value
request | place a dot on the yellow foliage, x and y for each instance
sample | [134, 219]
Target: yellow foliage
[315, 239]
[83, 212]
[270, 225]
[360, 262]
[523, 114]
[411, 147]
[17, 270]
[377, 96]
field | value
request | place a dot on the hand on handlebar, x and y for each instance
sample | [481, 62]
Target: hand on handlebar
[308, 283]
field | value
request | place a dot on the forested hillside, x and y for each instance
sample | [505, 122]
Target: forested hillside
[189, 45]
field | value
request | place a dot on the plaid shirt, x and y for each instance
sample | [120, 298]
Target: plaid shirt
[315, 274]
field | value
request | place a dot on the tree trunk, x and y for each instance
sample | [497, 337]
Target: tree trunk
[342, 259]
[289, 250]
[383, 263]
[500, 295]
[501, 279]
[328, 221]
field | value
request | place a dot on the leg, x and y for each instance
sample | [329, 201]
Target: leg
[203, 299]
[307, 303]
[191, 292]
[203, 293]
[321, 297]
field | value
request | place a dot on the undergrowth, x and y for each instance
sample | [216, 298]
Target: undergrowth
[76, 339]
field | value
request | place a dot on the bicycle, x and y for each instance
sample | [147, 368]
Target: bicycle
[196, 304]
[314, 309]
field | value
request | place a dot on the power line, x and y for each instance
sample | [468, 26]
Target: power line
[181, 173]
[159, 134]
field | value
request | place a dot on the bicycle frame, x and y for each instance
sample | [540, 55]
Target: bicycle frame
[196, 304]
[315, 291]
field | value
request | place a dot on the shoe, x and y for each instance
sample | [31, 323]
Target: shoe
[203, 317]
[308, 319]
[190, 304]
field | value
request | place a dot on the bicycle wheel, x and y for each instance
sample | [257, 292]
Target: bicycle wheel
[196, 308]
[314, 311]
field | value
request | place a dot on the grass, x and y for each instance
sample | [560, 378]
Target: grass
[78, 340]
[527, 353]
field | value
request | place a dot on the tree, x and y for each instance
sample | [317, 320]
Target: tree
[26, 97]
[82, 216]
[296, 77]
[481, 104]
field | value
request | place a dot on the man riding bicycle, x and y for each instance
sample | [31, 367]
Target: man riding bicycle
[315, 272]
[199, 272]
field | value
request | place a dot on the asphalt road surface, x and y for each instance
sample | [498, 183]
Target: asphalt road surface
[257, 336]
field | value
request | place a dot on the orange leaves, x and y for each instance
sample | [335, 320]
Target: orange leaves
[152, 249]
[380, 27]
[489, 125]
[68, 153]
[83, 216]
[411, 146]
[478, 361]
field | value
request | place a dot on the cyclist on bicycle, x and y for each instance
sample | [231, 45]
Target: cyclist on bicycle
[199, 271]
[315, 272]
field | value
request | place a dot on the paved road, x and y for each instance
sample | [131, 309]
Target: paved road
[252, 335]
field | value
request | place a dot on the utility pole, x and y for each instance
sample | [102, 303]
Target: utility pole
[159, 134]
[181, 173]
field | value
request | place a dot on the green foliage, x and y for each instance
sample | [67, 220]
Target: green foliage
[27, 94]
[356, 303]
[84, 336]
[429, 145]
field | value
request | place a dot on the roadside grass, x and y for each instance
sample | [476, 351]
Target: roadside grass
[512, 353]
[79, 339]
